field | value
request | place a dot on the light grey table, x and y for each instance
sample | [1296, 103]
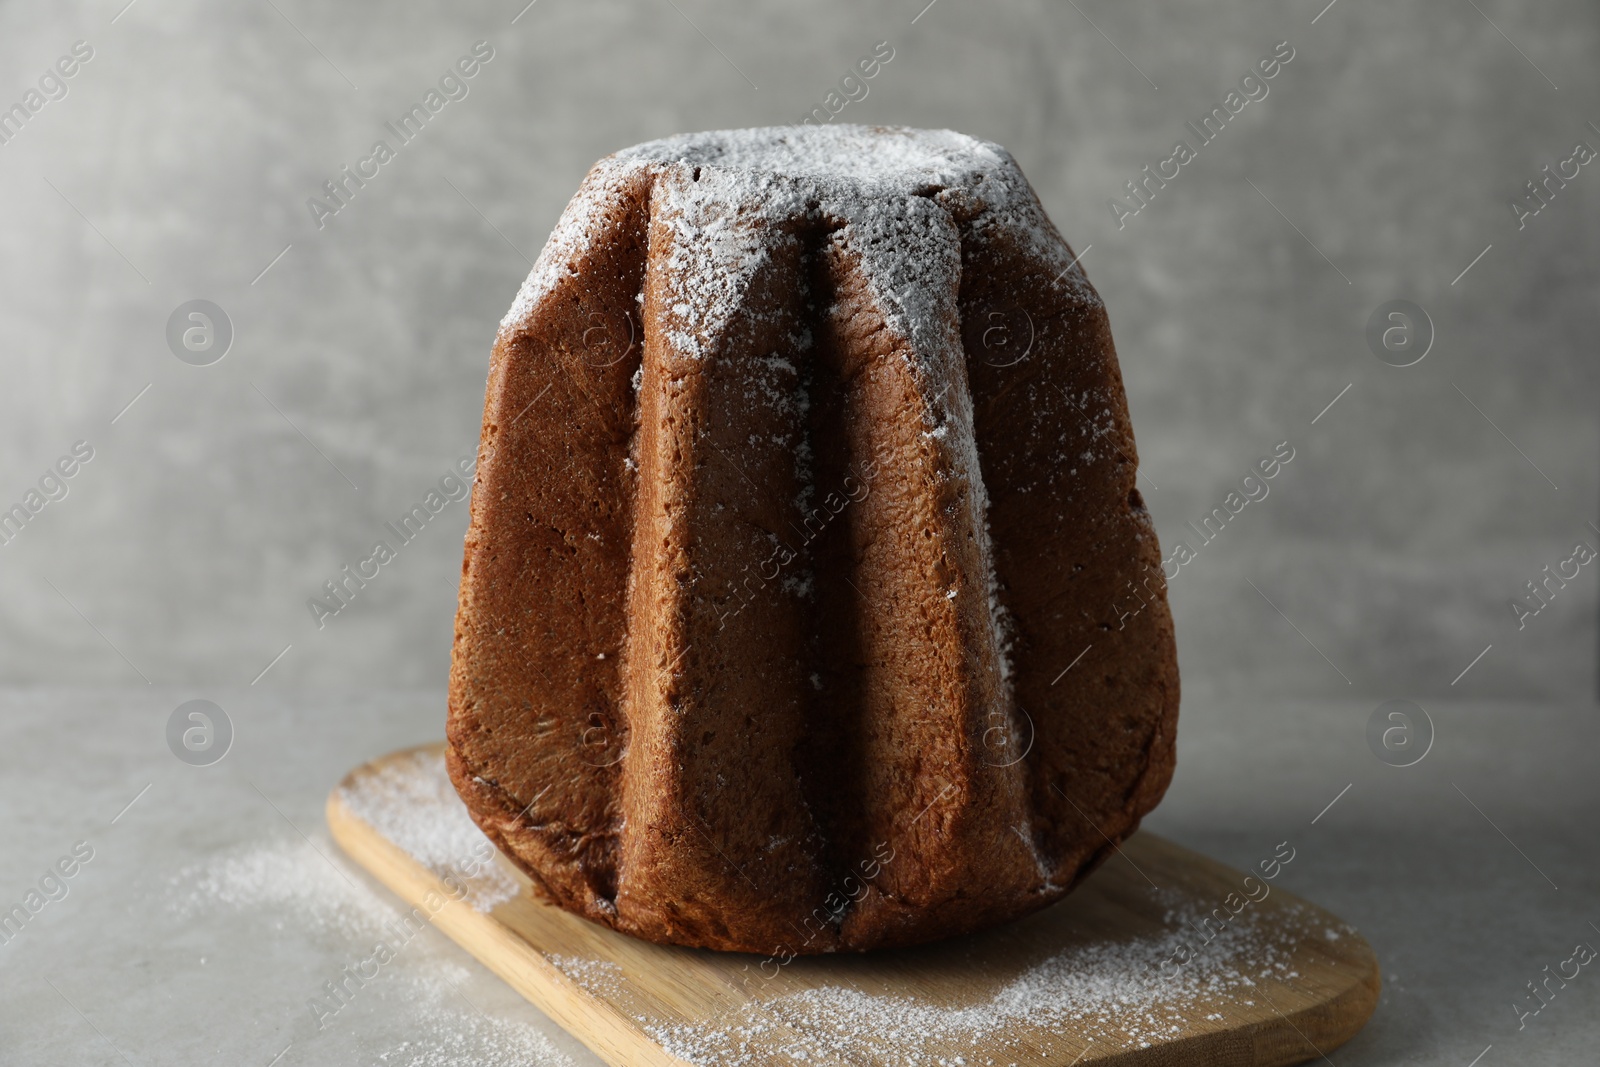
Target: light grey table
[215, 906]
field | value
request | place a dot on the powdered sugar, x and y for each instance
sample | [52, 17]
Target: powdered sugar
[283, 878]
[574, 232]
[1113, 994]
[721, 231]
[305, 888]
[453, 1032]
[792, 171]
[411, 801]
[601, 977]
[894, 157]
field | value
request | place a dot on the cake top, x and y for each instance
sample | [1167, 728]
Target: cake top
[896, 155]
[861, 174]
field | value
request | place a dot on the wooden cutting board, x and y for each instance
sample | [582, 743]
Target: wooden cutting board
[1121, 972]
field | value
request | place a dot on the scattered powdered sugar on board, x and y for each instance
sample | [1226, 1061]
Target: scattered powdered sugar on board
[411, 802]
[602, 977]
[1117, 994]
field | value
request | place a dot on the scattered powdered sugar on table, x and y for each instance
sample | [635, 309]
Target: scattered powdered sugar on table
[284, 879]
[411, 802]
[1116, 994]
[287, 884]
[452, 1032]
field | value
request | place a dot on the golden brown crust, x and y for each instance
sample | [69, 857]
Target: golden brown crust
[798, 496]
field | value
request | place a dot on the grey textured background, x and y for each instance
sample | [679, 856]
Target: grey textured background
[1393, 141]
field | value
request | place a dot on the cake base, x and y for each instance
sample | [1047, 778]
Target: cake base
[1120, 972]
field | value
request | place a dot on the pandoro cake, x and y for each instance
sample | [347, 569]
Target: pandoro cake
[808, 601]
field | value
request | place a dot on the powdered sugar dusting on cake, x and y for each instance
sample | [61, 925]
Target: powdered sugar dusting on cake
[895, 157]
[910, 253]
[910, 257]
[977, 179]
[721, 235]
[572, 237]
